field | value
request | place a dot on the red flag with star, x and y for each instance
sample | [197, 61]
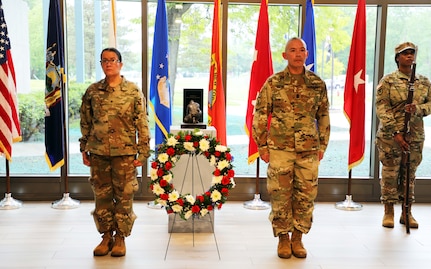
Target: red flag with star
[261, 69]
[354, 91]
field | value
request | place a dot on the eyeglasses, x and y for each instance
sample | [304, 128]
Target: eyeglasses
[112, 61]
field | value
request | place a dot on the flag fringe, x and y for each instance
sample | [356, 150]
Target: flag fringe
[53, 167]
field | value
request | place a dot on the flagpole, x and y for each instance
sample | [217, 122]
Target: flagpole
[354, 101]
[261, 69]
[66, 202]
[8, 202]
[257, 203]
[348, 203]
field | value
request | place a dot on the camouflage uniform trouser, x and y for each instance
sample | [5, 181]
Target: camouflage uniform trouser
[390, 155]
[292, 187]
[114, 182]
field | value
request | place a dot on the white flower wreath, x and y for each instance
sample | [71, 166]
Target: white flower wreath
[195, 143]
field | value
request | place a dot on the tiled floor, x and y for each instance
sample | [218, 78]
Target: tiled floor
[37, 236]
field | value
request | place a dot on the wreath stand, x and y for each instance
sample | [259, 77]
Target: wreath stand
[192, 180]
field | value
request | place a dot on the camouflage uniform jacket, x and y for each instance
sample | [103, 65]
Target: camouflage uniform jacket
[299, 118]
[391, 98]
[114, 122]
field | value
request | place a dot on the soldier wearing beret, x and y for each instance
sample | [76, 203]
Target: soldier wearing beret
[294, 104]
[115, 140]
[391, 97]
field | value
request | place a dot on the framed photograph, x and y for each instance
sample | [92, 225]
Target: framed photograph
[193, 106]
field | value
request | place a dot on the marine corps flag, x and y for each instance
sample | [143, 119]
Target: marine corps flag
[309, 36]
[160, 93]
[354, 91]
[10, 130]
[54, 88]
[261, 69]
[216, 100]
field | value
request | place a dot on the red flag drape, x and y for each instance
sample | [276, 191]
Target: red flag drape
[216, 99]
[261, 69]
[354, 91]
[10, 130]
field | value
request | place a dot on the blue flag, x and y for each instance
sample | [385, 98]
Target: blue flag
[309, 36]
[54, 86]
[160, 92]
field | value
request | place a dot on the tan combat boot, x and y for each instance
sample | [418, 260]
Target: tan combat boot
[298, 249]
[412, 222]
[388, 218]
[105, 246]
[284, 250]
[119, 248]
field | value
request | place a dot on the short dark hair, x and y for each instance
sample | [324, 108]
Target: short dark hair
[113, 50]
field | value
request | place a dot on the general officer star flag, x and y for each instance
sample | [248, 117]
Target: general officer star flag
[354, 90]
[261, 69]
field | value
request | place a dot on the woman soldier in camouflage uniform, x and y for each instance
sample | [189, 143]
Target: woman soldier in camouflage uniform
[391, 96]
[115, 140]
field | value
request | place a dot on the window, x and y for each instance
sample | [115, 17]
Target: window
[334, 30]
[86, 36]
[190, 35]
[401, 28]
[242, 27]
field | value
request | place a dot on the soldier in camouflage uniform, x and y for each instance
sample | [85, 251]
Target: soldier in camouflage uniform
[391, 96]
[115, 140]
[295, 104]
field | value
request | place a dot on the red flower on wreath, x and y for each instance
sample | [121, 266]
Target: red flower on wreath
[170, 151]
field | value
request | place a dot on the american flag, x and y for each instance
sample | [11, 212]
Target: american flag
[10, 130]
